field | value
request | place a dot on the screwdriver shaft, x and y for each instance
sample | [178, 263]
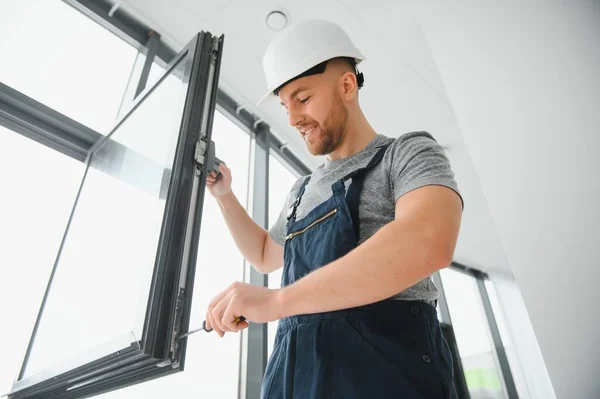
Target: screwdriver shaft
[237, 320]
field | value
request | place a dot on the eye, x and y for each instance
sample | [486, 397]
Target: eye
[305, 100]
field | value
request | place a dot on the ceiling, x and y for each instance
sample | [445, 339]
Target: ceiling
[403, 89]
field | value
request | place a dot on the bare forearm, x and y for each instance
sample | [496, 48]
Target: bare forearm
[394, 259]
[247, 234]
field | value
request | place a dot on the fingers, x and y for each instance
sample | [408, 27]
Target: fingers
[217, 316]
[212, 180]
[222, 315]
[211, 325]
[242, 325]
[232, 327]
[213, 318]
[230, 319]
[216, 309]
[212, 177]
[213, 174]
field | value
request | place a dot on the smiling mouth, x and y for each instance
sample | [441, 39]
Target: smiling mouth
[307, 133]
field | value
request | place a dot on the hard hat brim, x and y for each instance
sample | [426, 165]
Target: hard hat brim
[264, 98]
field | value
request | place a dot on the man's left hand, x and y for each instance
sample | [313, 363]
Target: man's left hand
[257, 304]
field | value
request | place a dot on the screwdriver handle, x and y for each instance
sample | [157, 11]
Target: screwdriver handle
[237, 320]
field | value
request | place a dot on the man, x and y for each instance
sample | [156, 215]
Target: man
[358, 239]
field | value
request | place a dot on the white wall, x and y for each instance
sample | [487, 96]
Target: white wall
[524, 81]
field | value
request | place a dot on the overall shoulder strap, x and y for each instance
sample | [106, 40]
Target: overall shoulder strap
[372, 163]
[353, 194]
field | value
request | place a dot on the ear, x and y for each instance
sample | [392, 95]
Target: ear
[349, 86]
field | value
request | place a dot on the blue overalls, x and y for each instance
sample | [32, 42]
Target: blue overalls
[389, 349]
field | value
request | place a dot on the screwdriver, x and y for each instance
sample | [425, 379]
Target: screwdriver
[237, 320]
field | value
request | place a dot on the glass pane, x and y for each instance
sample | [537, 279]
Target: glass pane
[212, 363]
[34, 210]
[156, 72]
[100, 289]
[134, 79]
[473, 337]
[507, 343]
[64, 60]
[281, 180]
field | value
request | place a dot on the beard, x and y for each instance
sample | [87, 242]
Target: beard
[332, 131]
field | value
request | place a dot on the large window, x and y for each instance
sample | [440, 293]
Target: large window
[281, 179]
[114, 232]
[39, 186]
[120, 291]
[55, 55]
[471, 328]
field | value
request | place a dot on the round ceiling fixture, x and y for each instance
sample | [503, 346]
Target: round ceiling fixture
[277, 20]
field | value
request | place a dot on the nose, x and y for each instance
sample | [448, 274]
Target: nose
[294, 116]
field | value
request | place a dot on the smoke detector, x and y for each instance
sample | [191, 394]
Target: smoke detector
[277, 20]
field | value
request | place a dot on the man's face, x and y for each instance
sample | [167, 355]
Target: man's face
[315, 107]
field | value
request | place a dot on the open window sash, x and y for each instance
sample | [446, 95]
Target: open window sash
[119, 294]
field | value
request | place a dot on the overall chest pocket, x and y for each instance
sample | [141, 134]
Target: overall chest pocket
[317, 221]
[320, 242]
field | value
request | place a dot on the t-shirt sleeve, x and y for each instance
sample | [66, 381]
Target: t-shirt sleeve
[418, 160]
[278, 229]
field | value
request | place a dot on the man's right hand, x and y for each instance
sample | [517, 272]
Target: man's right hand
[221, 186]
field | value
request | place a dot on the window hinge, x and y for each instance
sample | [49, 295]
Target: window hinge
[215, 50]
[174, 349]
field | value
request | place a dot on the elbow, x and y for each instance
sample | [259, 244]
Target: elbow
[443, 262]
[440, 258]
[265, 269]
[438, 249]
[434, 254]
[254, 254]
[268, 258]
[260, 268]
[258, 264]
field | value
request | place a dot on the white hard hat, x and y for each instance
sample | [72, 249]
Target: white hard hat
[300, 47]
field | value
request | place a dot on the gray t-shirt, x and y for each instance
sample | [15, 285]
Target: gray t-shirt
[411, 161]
